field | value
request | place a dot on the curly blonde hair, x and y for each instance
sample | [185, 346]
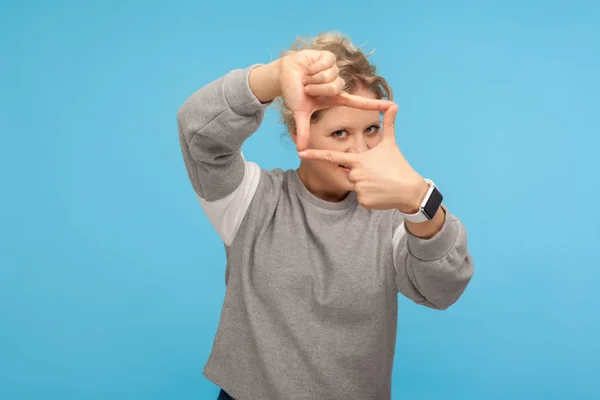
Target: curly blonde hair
[355, 69]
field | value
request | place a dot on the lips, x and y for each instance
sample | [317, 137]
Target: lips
[346, 169]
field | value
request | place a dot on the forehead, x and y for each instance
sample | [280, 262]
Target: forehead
[350, 116]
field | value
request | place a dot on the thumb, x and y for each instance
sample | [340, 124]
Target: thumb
[389, 121]
[302, 119]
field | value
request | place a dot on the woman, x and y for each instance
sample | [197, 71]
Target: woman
[316, 256]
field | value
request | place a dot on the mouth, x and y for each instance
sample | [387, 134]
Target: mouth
[345, 168]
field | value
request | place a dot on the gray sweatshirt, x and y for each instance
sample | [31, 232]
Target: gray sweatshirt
[310, 309]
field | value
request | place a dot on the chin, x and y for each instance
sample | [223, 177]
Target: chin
[334, 182]
[343, 183]
[346, 186]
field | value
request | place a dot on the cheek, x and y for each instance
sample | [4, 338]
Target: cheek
[373, 141]
[328, 171]
[326, 167]
[326, 143]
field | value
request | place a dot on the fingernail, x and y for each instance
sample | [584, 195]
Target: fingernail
[301, 154]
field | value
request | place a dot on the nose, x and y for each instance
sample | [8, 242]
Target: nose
[358, 145]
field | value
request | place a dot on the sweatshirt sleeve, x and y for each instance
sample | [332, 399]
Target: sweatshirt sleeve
[213, 123]
[433, 272]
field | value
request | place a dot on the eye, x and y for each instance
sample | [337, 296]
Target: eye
[341, 134]
[372, 130]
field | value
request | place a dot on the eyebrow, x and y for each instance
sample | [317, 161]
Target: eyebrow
[342, 128]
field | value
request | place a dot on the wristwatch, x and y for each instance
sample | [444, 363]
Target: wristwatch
[429, 206]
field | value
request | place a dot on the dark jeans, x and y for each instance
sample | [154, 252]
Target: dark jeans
[224, 396]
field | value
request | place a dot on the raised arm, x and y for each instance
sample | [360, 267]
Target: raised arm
[435, 271]
[432, 262]
[216, 120]
[213, 124]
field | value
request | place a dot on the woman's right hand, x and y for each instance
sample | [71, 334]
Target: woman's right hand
[309, 81]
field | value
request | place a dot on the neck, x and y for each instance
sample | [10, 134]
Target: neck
[317, 187]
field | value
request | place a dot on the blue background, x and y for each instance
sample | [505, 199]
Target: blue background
[112, 279]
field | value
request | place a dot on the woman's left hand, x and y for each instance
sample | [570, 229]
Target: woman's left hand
[382, 177]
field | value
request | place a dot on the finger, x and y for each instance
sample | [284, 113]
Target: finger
[329, 75]
[325, 61]
[348, 159]
[326, 89]
[389, 121]
[352, 182]
[353, 175]
[360, 102]
[302, 120]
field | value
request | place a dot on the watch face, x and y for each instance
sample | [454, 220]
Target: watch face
[433, 203]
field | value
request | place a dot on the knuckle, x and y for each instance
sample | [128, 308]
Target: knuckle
[363, 200]
[332, 90]
[329, 55]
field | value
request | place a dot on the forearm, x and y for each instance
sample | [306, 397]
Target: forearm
[264, 81]
[427, 229]
[213, 124]
[435, 271]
